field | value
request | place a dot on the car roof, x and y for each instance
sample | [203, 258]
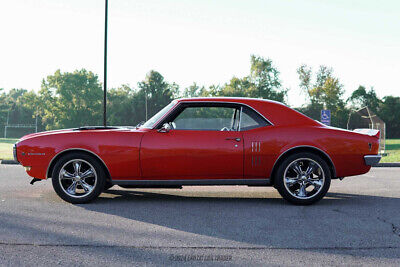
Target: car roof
[275, 112]
[227, 99]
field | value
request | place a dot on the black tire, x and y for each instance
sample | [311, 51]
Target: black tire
[290, 191]
[107, 185]
[93, 164]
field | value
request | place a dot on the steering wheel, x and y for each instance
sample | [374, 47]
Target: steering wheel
[225, 129]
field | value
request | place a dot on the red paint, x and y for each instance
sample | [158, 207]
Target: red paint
[206, 154]
[182, 154]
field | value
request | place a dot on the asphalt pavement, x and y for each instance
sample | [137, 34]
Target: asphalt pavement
[358, 223]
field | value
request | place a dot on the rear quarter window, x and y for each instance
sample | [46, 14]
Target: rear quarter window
[251, 120]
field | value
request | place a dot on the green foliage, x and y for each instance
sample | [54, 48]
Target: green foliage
[237, 87]
[392, 150]
[263, 82]
[389, 112]
[6, 148]
[388, 108]
[195, 91]
[126, 105]
[121, 108]
[157, 92]
[4, 107]
[363, 98]
[265, 79]
[325, 93]
[19, 106]
[305, 76]
[71, 99]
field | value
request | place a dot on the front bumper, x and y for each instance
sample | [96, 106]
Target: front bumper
[372, 160]
[15, 153]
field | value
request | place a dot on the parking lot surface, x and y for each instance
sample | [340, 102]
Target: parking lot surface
[358, 223]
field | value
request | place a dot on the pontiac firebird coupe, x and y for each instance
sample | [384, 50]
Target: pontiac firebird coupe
[201, 141]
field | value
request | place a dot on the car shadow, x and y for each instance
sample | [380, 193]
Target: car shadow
[341, 223]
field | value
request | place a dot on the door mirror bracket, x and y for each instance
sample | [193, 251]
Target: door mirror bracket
[165, 128]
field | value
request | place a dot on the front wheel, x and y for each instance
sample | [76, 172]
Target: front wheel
[78, 178]
[107, 185]
[303, 178]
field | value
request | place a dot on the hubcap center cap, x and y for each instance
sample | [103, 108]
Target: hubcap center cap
[77, 178]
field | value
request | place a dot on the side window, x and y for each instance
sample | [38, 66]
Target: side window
[208, 118]
[251, 120]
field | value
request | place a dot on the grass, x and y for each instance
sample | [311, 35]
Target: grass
[6, 145]
[392, 149]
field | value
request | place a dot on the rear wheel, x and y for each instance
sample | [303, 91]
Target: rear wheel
[78, 178]
[303, 178]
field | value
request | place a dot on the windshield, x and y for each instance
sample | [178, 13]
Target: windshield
[150, 123]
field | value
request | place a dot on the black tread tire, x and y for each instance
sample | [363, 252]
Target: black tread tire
[279, 184]
[101, 177]
[107, 185]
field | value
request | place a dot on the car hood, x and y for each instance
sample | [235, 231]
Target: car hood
[85, 128]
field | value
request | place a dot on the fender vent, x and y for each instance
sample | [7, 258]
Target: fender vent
[255, 153]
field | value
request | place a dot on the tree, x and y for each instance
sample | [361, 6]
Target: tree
[156, 91]
[121, 109]
[326, 89]
[195, 90]
[325, 93]
[265, 78]
[18, 106]
[389, 112]
[363, 98]
[21, 106]
[71, 99]
[263, 82]
[305, 76]
[238, 87]
[3, 107]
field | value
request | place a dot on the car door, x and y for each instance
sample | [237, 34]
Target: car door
[204, 143]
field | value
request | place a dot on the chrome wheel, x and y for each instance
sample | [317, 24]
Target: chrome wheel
[304, 178]
[77, 178]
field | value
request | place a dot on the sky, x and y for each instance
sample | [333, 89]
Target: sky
[203, 41]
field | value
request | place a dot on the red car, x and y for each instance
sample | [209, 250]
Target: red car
[201, 141]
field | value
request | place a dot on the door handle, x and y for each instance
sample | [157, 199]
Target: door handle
[233, 138]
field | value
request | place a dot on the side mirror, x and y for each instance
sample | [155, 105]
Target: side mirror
[165, 128]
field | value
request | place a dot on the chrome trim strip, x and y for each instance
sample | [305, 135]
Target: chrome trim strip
[193, 182]
[226, 102]
[240, 117]
[81, 149]
[334, 168]
[166, 114]
[372, 160]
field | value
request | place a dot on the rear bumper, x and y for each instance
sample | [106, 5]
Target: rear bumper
[372, 160]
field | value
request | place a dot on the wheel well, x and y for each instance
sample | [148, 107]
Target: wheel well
[94, 156]
[302, 149]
